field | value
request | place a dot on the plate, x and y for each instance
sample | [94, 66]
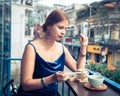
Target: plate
[100, 88]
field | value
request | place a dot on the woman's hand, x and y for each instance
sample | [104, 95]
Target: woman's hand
[83, 40]
[61, 76]
[83, 43]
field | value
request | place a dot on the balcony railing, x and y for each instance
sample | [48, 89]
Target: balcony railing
[63, 88]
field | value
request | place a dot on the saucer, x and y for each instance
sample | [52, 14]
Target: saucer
[100, 88]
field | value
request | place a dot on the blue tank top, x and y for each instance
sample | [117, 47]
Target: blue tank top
[43, 68]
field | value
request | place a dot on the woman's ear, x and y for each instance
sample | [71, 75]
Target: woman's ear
[48, 27]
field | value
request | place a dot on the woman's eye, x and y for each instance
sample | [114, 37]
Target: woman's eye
[60, 27]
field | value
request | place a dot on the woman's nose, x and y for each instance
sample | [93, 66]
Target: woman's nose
[63, 32]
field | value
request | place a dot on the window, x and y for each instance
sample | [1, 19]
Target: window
[29, 22]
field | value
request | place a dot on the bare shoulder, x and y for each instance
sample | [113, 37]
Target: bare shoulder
[30, 46]
[65, 48]
[32, 43]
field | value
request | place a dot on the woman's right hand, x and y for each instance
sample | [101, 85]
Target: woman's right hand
[61, 76]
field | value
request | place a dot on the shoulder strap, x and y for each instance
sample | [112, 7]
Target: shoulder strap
[63, 47]
[33, 46]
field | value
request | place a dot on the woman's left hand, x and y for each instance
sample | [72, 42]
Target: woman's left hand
[83, 40]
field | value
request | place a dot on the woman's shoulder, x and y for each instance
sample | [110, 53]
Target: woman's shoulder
[31, 45]
[34, 42]
[62, 45]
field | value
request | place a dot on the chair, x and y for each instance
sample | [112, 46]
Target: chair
[10, 85]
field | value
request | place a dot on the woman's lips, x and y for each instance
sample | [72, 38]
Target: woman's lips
[60, 36]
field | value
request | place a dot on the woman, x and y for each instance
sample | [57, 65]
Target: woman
[44, 58]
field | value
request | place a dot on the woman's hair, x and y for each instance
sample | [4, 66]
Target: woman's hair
[54, 17]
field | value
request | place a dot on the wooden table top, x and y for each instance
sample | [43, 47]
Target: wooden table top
[79, 90]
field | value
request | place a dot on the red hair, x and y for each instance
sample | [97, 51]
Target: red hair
[54, 17]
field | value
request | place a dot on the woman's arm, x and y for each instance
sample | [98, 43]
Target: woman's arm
[27, 69]
[71, 63]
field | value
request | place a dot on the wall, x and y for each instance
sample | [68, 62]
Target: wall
[18, 39]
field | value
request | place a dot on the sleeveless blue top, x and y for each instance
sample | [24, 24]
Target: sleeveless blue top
[43, 68]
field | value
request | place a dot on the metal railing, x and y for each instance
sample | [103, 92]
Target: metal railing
[63, 88]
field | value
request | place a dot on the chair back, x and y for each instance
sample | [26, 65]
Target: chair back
[9, 85]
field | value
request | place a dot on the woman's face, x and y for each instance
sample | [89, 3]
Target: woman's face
[58, 30]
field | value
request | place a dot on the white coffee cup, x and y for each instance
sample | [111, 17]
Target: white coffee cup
[95, 80]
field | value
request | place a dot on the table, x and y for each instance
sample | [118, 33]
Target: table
[79, 90]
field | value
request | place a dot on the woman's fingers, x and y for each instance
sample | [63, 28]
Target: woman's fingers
[61, 76]
[83, 39]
